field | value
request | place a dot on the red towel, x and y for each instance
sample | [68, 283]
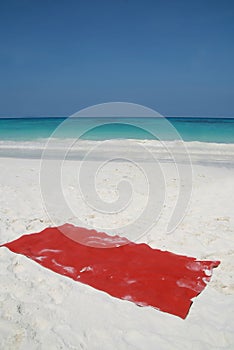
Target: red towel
[123, 269]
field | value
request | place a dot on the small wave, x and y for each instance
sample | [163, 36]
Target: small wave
[162, 150]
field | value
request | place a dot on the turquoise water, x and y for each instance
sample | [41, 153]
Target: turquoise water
[218, 130]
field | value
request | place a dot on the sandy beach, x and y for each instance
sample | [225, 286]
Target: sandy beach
[43, 310]
[117, 175]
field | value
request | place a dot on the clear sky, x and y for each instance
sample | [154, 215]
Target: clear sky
[59, 56]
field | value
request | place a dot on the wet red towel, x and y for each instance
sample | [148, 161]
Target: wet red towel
[123, 269]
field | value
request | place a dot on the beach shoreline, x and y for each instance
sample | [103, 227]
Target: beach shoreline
[203, 153]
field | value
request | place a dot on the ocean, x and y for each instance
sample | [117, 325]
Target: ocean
[205, 139]
[212, 130]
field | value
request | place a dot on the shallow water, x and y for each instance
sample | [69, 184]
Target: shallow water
[217, 130]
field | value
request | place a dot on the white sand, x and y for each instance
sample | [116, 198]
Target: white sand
[42, 310]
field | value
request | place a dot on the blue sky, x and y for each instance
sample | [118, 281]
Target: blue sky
[59, 56]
